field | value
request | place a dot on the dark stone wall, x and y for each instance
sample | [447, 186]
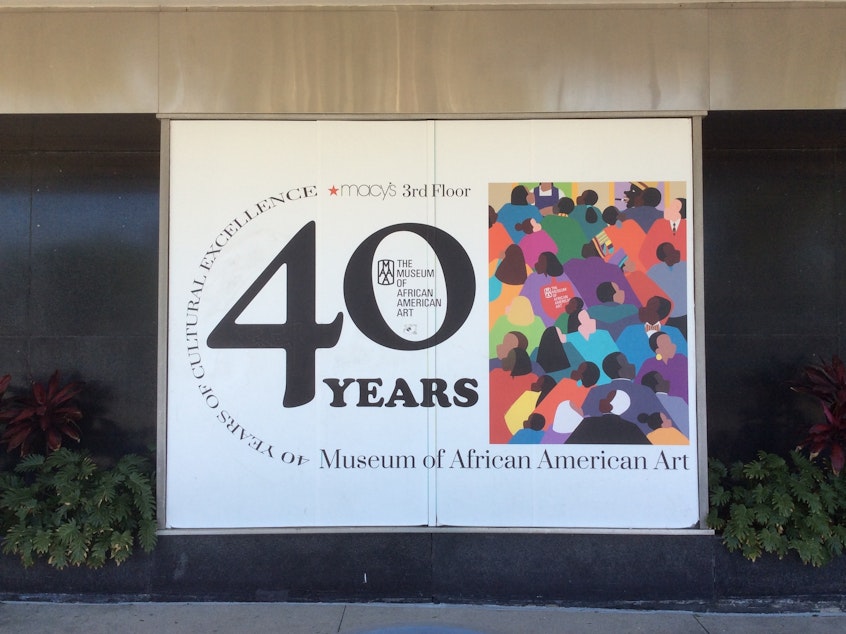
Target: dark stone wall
[690, 572]
[79, 200]
[78, 254]
[774, 196]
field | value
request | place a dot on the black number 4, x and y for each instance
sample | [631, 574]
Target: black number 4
[300, 335]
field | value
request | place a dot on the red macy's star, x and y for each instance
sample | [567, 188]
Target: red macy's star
[333, 191]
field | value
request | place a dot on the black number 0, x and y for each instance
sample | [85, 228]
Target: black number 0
[458, 277]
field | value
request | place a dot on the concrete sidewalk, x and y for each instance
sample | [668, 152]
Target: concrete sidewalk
[380, 618]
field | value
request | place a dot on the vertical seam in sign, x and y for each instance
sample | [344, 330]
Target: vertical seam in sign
[432, 480]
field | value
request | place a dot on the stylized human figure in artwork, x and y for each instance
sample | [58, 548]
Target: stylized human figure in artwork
[551, 355]
[535, 241]
[670, 274]
[568, 321]
[677, 408]
[564, 231]
[543, 386]
[507, 383]
[610, 426]
[663, 432]
[671, 228]
[527, 402]
[587, 214]
[672, 366]
[512, 268]
[642, 206]
[498, 238]
[568, 416]
[511, 273]
[642, 285]
[633, 196]
[547, 288]
[518, 316]
[625, 235]
[545, 197]
[634, 340]
[574, 388]
[532, 432]
[612, 313]
[622, 373]
[508, 342]
[498, 242]
[590, 270]
[591, 343]
[565, 399]
[518, 210]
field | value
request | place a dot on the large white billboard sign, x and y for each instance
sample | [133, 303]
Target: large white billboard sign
[465, 323]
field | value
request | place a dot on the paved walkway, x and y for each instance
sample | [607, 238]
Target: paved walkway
[380, 618]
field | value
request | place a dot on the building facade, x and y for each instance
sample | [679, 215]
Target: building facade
[85, 100]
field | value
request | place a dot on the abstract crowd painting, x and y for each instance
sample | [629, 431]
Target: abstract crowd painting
[588, 287]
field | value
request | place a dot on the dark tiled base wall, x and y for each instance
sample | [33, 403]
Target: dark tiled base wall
[642, 571]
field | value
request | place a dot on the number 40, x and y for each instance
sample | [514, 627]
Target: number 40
[300, 336]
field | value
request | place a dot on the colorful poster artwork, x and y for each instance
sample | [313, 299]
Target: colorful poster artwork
[588, 313]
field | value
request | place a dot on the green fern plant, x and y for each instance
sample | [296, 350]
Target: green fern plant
[65, 508]
[769, 506]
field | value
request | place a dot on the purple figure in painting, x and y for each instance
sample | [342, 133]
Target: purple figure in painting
[667, 361]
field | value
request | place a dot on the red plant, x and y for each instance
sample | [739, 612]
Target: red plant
[5, 409]
[41, 418]
[826, 382]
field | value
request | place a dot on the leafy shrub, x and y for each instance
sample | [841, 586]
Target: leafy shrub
[65, 508]
[769, 506]
[826, 382]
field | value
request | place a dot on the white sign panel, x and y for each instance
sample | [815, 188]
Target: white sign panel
[431, 323]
